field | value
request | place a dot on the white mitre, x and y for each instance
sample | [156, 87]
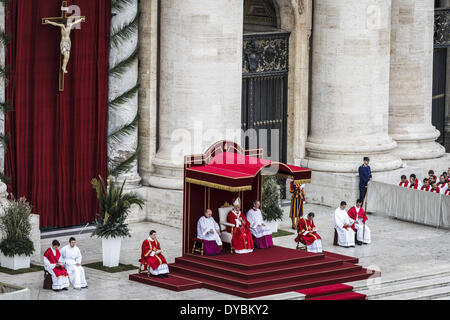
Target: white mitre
[237, 202]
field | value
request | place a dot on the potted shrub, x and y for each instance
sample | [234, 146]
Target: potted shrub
[110, 224]
[271, 208]
[16, 246]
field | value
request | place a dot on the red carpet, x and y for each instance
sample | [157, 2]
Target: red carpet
[332, 292]
[259, 273]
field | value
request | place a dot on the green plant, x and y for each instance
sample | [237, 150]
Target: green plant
[114, 209]
[16, 228]
[271, 209]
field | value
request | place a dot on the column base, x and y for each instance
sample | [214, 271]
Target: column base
[420, 145]
[166, 175]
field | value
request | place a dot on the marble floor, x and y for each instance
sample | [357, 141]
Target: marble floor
[398, 249]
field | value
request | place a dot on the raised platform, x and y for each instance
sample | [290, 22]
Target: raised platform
[260, 273]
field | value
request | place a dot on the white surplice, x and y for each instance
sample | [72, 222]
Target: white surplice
[58, 283]
[204, 226]
[256, 223]
[162, 269]
[71, 257]
[346, 237]
[362, 233]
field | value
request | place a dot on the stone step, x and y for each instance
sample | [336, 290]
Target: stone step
[428, 294]
[402, 288]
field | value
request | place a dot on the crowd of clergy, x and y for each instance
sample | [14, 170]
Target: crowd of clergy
[430, 183]
[248, 231]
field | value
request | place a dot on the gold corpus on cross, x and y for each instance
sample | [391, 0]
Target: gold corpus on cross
[66, 24]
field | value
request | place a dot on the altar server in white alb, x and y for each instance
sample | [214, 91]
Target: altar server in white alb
[71, 257]
[208, 230]
[343, 226]
[261, 232]
[359, 218]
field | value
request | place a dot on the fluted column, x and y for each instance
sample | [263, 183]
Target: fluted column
[350, 87]
[123, 85]
[412, 80]
[200, 82]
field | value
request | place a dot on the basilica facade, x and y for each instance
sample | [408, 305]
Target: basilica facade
[316, 83]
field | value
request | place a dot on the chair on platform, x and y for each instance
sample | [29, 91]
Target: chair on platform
[198, 246]
[143, 267]
[301, 245]
[335, 241]
[226, 236]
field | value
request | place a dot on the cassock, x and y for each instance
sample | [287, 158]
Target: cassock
[307, 236]
[404, 184]
[70, 257]
[359, 218]
[416, 185]
[443, 187]
[60, 278]
[423, 188]
[437, 190]
[211, 241]
[156, 262]
[262, 234]
[241, 241]
[346, 236]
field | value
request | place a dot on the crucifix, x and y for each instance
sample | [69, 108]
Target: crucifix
[66, 24]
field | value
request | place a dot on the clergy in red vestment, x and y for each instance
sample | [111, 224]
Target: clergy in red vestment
[404, 182]
[359, 223]
[53, 264]
[431, 176]
[307, 234]
[435, 188]
[151, 253]
[414, 183]
[443, 184]
[426, 185]
[447, 192]
[242, 241]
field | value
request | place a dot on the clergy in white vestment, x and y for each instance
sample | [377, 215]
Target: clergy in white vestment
[261, 232]
[54, 266]
[343, 226]
[71, 257]
[359, 219]
[209, 231]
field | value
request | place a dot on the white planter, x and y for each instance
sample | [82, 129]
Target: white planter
[273, 225]
[15, 263]
[111, 252]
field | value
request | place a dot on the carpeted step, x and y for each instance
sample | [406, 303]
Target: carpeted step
[256, 259]
[283, 268]
[342, 296]
[341, 257]
[325, 290]
[173, 282]
[269, 279]
[279, 287]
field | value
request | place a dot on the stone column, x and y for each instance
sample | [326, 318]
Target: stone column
[200, 82]
[123, 115]
[148, 76]
[412, 80]
[350, 87]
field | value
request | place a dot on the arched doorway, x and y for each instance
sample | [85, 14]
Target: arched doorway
[265, 79]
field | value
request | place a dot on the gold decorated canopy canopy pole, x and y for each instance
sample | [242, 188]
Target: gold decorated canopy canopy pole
[66, 24]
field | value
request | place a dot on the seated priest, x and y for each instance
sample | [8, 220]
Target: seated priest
[262, 233]
[54, 266]
[404, 182]
[151, 253]
[358, 217]
[343, 226]
[208, 230]
[307, 234]
[241, 241]
[71, 257]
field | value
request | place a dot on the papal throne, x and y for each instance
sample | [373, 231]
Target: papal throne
[226, 236]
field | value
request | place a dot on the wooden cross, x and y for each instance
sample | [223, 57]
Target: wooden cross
[65, 23]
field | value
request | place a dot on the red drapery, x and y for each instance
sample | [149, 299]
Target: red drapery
[57, 140]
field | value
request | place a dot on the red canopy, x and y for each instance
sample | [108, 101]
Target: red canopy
[235, 172]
